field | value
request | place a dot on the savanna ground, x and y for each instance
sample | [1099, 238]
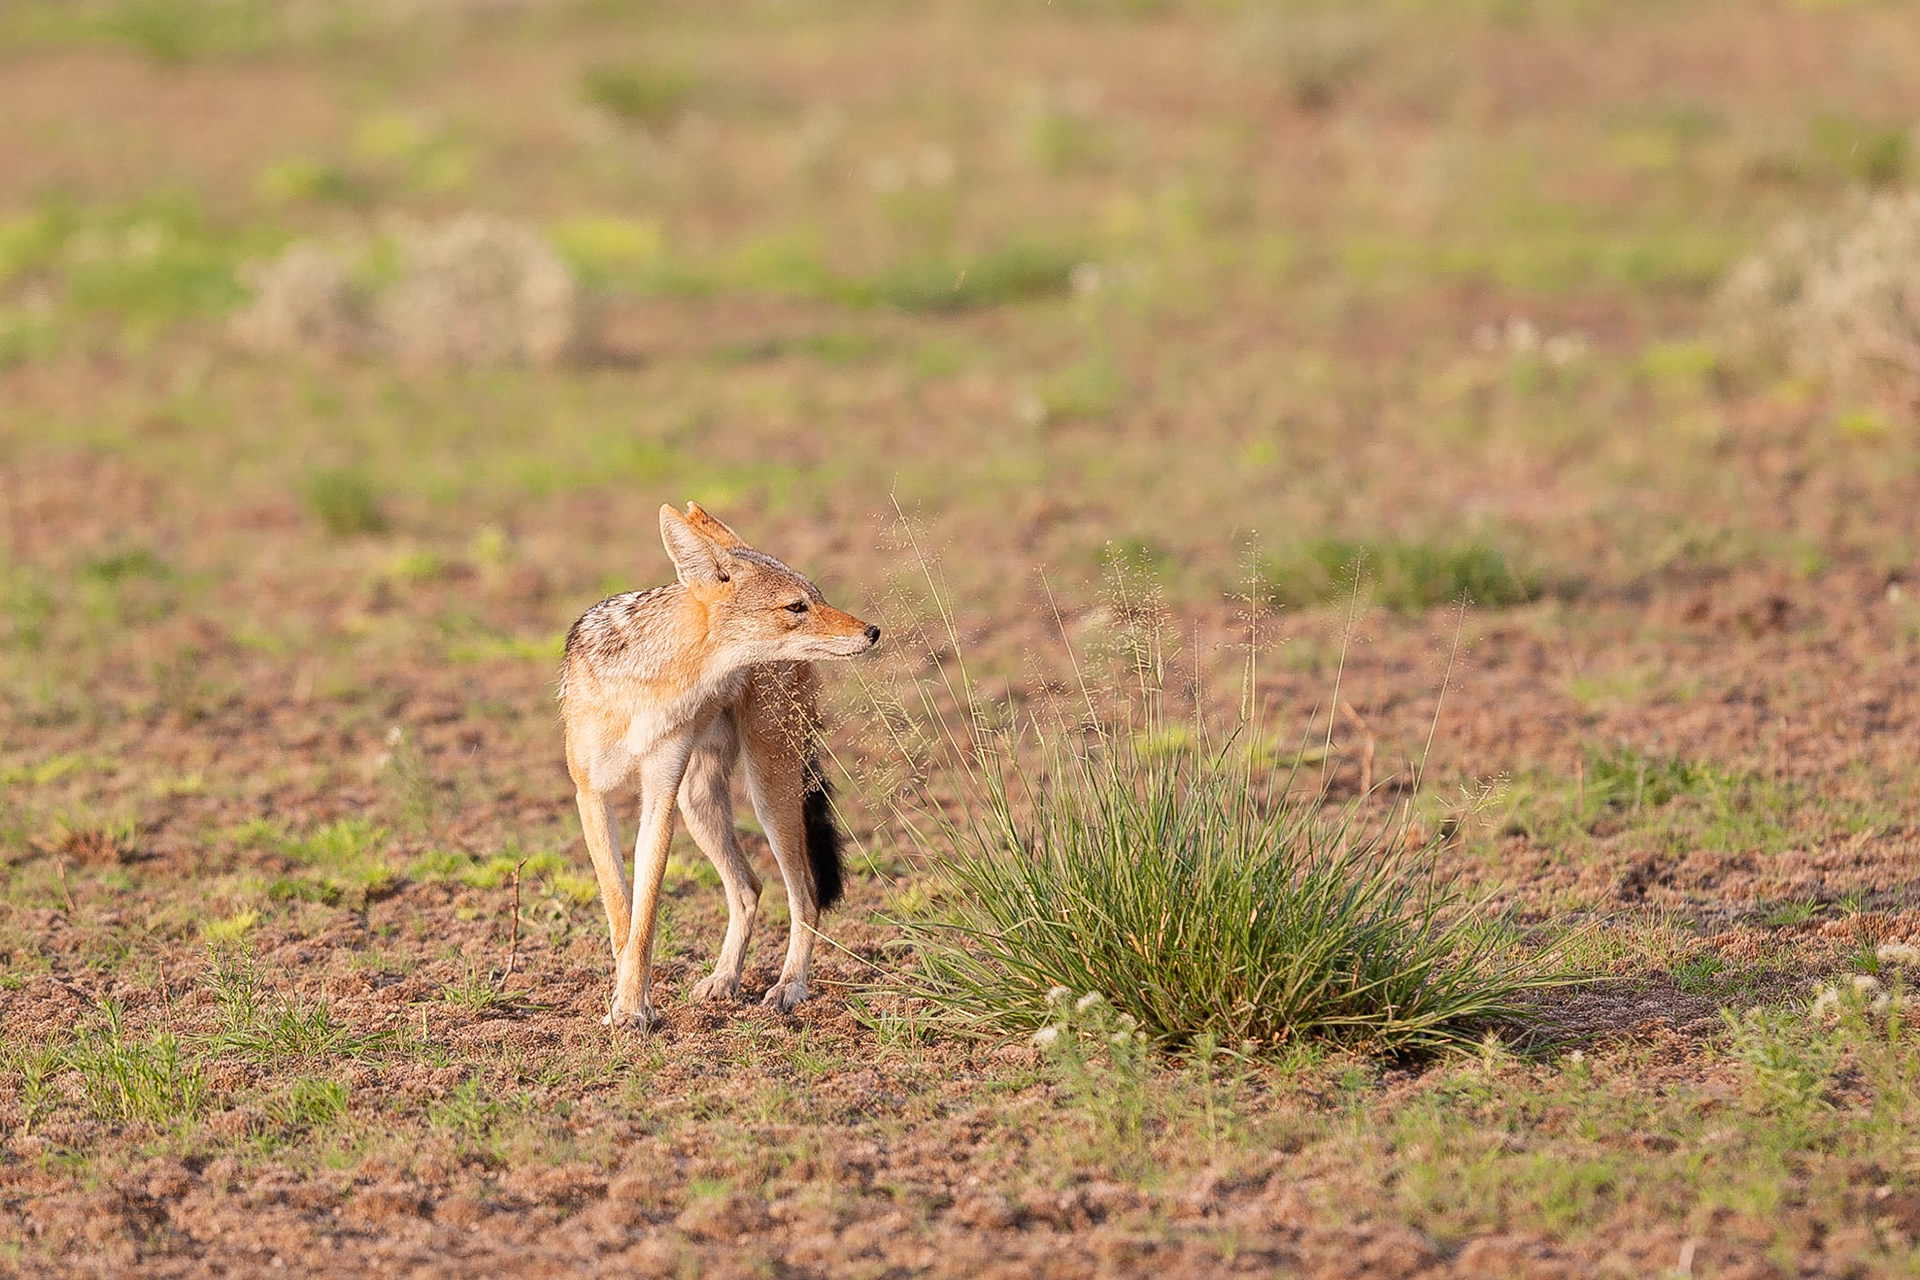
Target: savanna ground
[1216, 295]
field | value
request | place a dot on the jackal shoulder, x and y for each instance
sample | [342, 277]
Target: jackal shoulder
[629, 636]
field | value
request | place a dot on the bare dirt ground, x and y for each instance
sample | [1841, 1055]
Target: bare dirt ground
[279, 631]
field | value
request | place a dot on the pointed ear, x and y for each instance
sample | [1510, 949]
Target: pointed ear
[699, 519]
[696, 557]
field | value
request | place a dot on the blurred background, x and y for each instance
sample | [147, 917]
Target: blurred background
[345, 343]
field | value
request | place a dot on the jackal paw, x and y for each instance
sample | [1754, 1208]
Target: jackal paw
[640, 1019]
[715, 988]
[786, 995]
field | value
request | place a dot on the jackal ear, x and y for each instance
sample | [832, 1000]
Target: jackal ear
[697, 517]
[696, 557]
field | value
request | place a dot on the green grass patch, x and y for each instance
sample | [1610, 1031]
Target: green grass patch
[1625, 777]
[498, 870]
[1194, 895]
[346, 502]
[261, 1029]
[348, 854]
[148, 262]
[230, 930]
[1011, 273]
[1670, 802]
[639, 93]
[305, 1107]
[126, 1077]
[791, 265]
[1405, 576]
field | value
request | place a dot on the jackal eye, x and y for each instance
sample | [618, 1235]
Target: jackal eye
[797, 607]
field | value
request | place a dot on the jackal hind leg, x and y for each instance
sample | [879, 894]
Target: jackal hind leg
[706, 803]
[776, 781]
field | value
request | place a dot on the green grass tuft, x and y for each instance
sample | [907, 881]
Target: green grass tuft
[1011, 273]
[1625, 777]
[346, 502]
[1405, 576]
[127, 1077]
[1194, 895]
[348, 858]
[290, 1030]
[637, 93]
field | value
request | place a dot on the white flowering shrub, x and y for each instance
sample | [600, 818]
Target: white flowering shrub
[478, 291]
[1834, 300]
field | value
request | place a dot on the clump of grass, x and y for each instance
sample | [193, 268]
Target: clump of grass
[1010, 273]
[1625, 777]
[263, 1031]
[1405, 576]
[124, 564]
[1191, 887]
[230, 930]
[148, 262]
[309, 1105]
[341, 860]
[498, 870]
[177, 31]
[638, 93]
[127, 1077]
[346, 502]
[1198, 898]
[469, 1111]
[34, 1069]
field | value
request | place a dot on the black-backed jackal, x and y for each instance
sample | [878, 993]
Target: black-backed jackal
[662, 691]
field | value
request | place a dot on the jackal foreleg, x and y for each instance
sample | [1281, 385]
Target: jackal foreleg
[602, 827]
[660, 776]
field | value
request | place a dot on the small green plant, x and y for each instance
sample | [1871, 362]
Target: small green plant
[309, 1105]
[119, 566]
[253, 1027]
[127, 1077]
[1699, 975]
[290, 1029]
[33, 1068]
[1792, 913]
[230, 930]
[1404, 576]
[469, 1111]
[176, 31]
[349, 857]
[1104, 1060]
[1011, 273]
[476, 992]
[234, 979]
[498, 870]
[639, 93]
[1626, 777]
[1788, 1062]
[439, 864]
[346, 502]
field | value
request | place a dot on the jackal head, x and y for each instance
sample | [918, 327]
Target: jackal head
[759, 609]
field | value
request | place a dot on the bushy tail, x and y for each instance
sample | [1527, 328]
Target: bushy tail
[823, 837]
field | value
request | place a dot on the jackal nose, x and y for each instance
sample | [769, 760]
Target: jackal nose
[873, 634]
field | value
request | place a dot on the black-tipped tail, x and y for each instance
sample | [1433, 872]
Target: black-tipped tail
[823, 837]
